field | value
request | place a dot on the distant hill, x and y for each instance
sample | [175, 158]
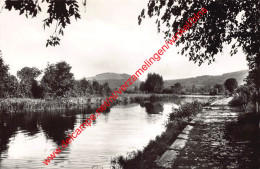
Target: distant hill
[114, 80]
[208, 80]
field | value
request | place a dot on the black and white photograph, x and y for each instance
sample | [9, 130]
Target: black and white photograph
[129, 84]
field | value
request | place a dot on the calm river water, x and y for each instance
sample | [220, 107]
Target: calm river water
[26, 139]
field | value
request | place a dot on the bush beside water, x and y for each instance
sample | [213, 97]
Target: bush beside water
[145, 159]
[244, 98]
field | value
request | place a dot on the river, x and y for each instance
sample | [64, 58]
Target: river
[28, 138]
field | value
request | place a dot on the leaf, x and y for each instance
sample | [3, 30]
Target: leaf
[34, 15]
[21, 12]
[39, 8]
[68, 20]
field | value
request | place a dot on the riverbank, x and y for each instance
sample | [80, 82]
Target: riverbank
[26, 104]
[217, 137]
[146, 158]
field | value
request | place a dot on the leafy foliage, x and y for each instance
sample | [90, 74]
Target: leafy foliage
[218, 27]
[231, 85]
[245, 97]
[28, 84]
[57, 79]
[28, 74]
[3, 76]
[84, 87]
[142, 87]
[12, 87]
[176, 88]
[231, 22]
[153, 83]
[60, 13]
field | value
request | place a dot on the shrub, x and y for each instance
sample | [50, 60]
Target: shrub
[167, 91]
[237, 101]
[244, 98]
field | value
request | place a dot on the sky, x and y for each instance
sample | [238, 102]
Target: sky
[107, 38]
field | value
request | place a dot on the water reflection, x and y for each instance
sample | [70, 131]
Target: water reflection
[54, 126]
[28, 138]
[153, 107]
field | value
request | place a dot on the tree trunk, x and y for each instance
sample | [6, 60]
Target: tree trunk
[258, 105]
[258, 88]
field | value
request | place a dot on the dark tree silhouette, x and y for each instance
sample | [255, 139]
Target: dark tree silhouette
[218, 27]
[219, 87]
[154, 83]
[106, 89]
[141, 87]
[153, 107]
[96, 87]
[3, 76]
[60, 14]
[231, 85]
[176, 88]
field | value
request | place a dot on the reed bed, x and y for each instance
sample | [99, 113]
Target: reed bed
[26, 104]
[137, 98]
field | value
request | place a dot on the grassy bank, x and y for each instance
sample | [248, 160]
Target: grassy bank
[27, 104]
[146, 158]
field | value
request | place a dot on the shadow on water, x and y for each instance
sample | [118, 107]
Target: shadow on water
[152, 107]
[54, 124]
[21, 131]
[155, 105]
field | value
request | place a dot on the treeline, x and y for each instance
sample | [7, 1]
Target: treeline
[154, 84]
[57, 81]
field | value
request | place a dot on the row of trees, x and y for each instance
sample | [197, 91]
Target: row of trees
[219, 27]
[215, 89]
[57, 81]
[154, 84]
[177, 88]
